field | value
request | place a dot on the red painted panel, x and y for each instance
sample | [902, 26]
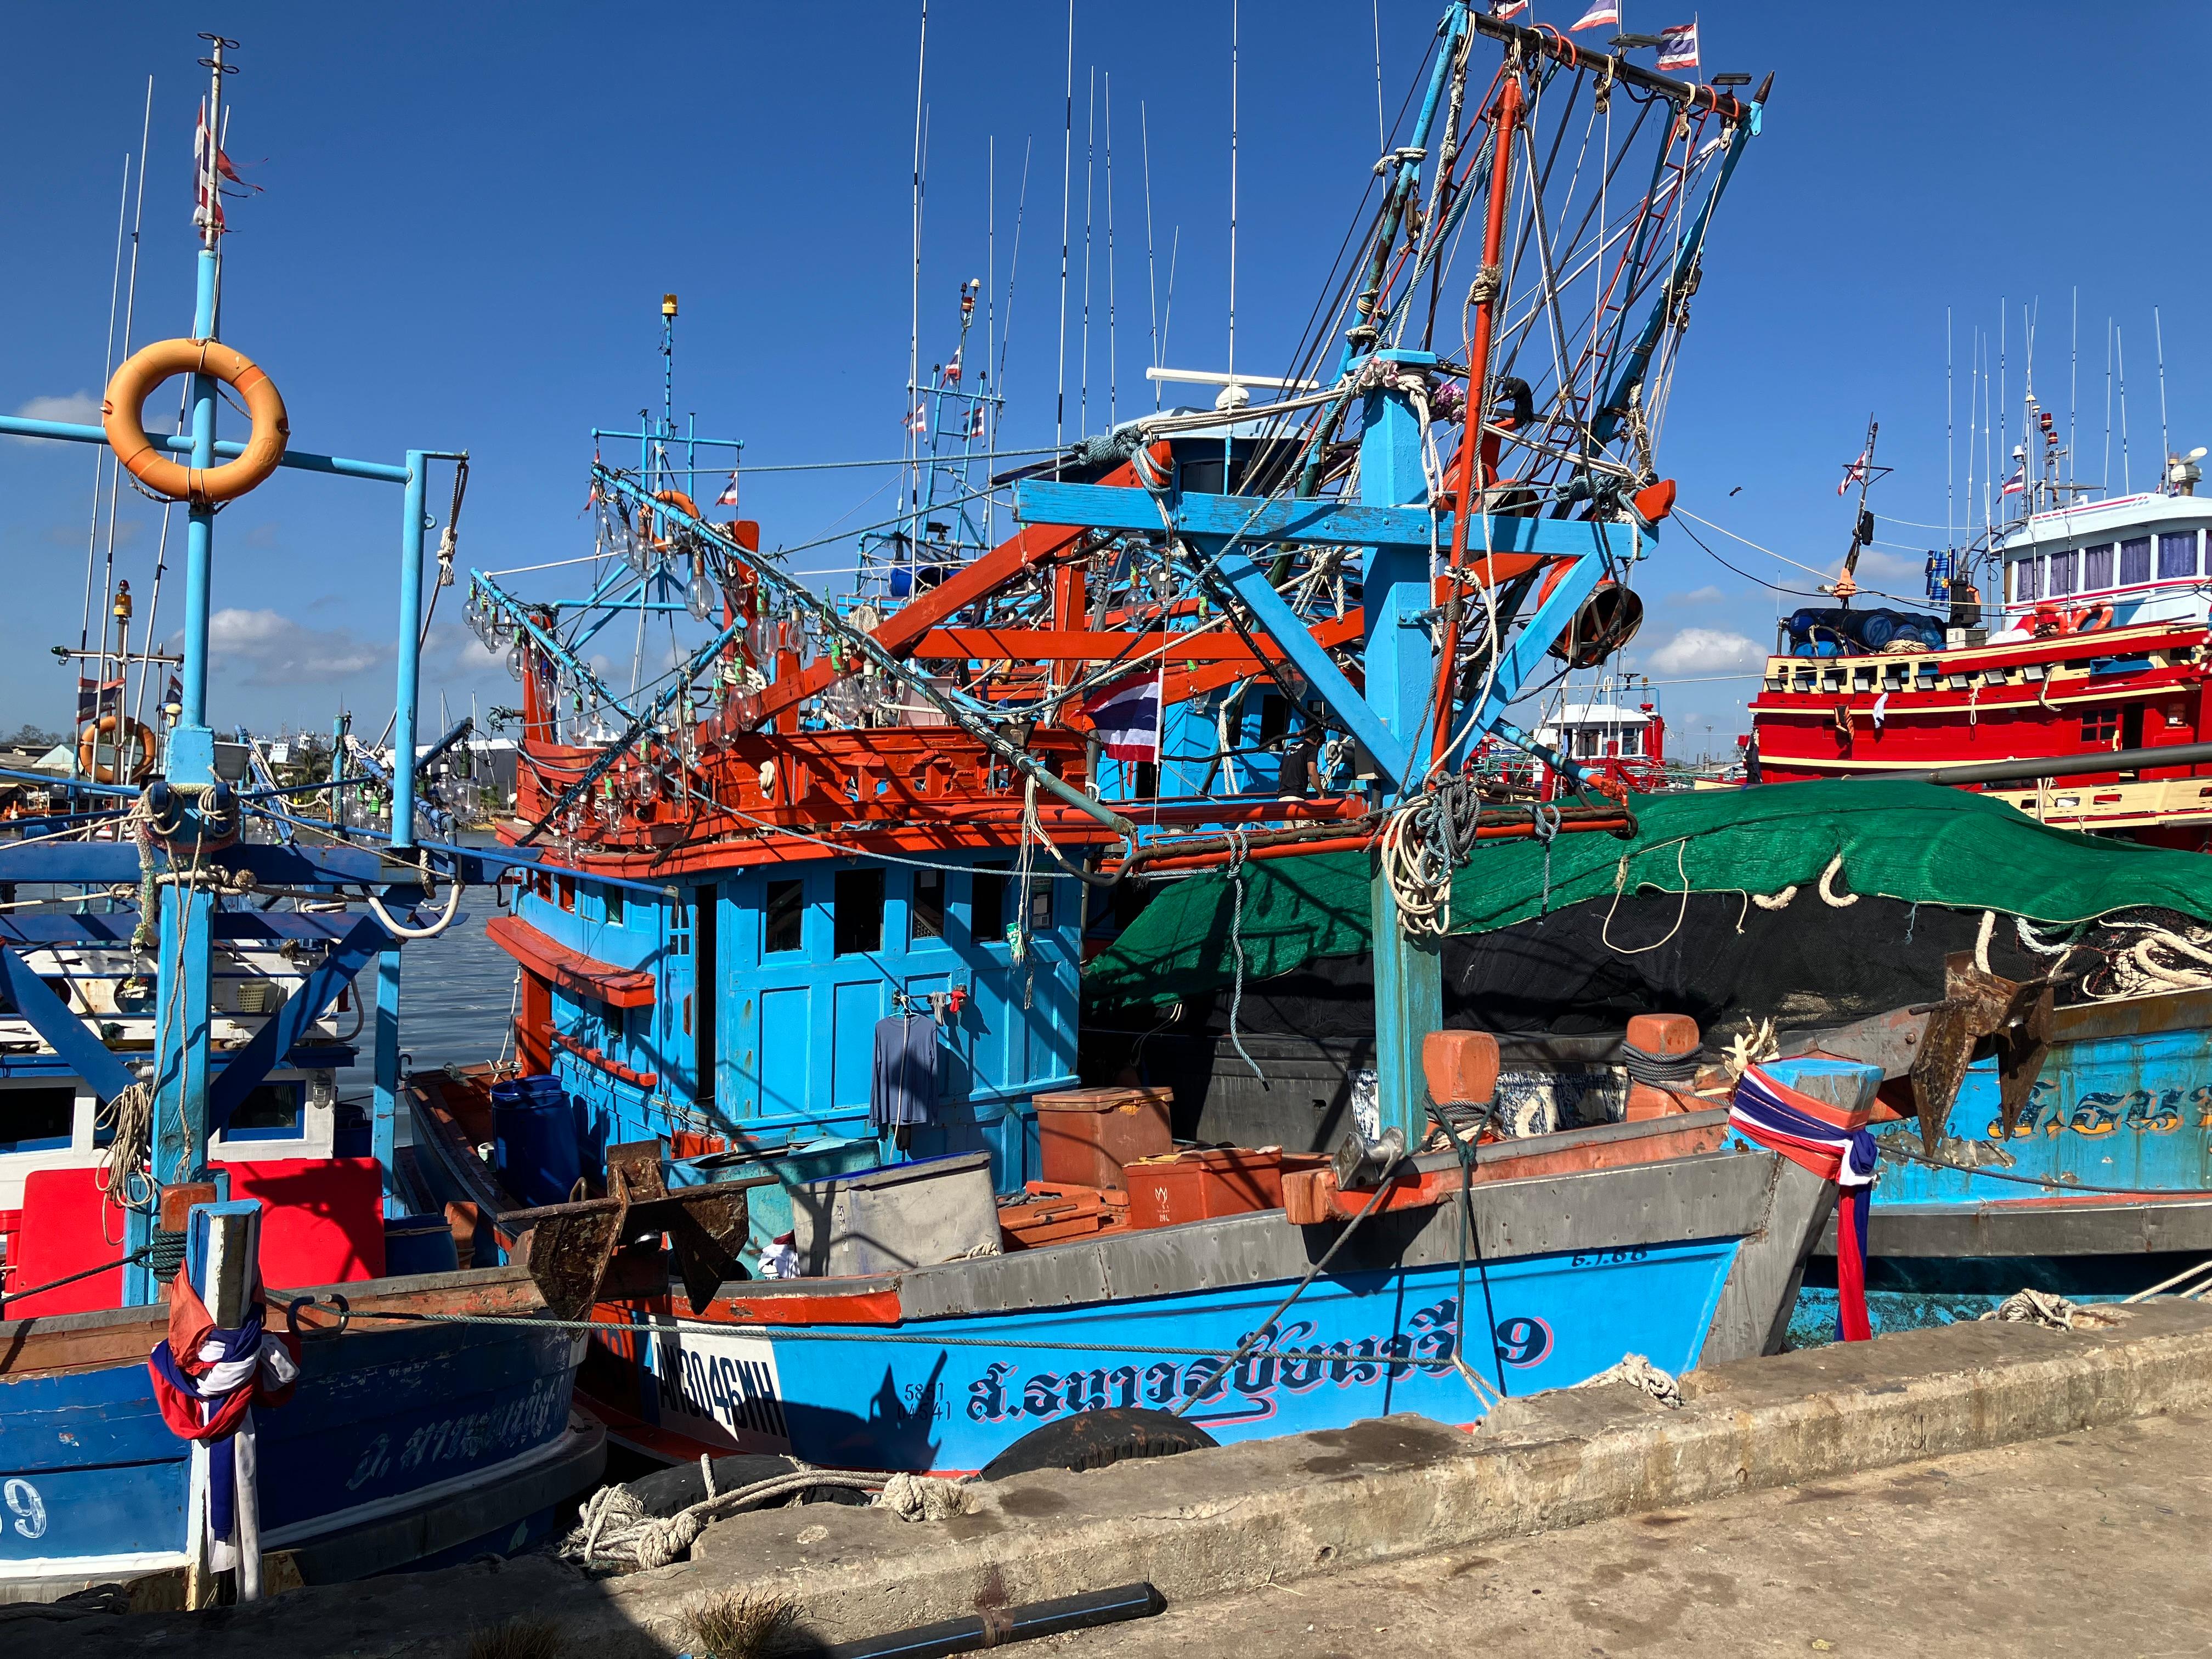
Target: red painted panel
[322, 1219]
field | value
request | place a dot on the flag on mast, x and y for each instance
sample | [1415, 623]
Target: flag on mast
[919, 421]
[1678, 46]
[1126, 715]
[1601, 11]
[729, 495]
[2018, 482]
[952, 369]
[207, 209]
[975, 422]
[1854, 473]
[1506, 10]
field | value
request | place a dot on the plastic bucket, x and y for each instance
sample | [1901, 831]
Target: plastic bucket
[418, 1244]
[536, 1147]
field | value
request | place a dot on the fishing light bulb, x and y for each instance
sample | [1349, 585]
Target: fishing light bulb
[699, 598]
[515, 660]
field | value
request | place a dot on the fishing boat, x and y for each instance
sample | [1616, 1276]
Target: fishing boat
[810, 909]
[2073, 690]
[235, 1350]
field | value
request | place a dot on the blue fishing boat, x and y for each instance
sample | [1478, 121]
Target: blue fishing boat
[238, 1342]
[810, 910]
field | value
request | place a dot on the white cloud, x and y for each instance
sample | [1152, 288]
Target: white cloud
[1707, 650]
[1706, 595]
[78, 409]
[265, 648]
[1901, 574]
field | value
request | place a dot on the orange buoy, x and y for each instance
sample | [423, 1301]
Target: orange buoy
[116, 728]
[122, 414]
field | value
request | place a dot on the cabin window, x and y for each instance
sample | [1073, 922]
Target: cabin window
[2176, 554]
[858, 912]
[1040, 906]
[2100, 725]
[987, 906]
[1274, 718]
[2097, 566]
[1632, 743]
[2062, 573]
[610, 1023]
[786, 916]
[926, 916]
[2134, 560]
[2027, 579]
[270, 1111]
[614, 907]
[567, 887]
[36, 1120]
[1148, 780]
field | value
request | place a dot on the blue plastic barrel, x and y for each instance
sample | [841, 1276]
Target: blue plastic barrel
[534, 1139]
[418, 1244]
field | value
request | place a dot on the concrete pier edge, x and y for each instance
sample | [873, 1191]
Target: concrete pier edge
[1215, 1522]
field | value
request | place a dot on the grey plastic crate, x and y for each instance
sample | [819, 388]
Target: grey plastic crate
[899, 1215]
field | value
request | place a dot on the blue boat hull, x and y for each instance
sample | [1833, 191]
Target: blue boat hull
[2124, 1104]
[399, 1444]
[1681, 1262]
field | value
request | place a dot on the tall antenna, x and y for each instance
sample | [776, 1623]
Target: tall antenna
[914, 328]
[2165, 444]
[1113, 403]
[99, 456]
[1948, 470]
[1013, 268]
[1067, 166]
[2004, 400]
[2105, 480]
[1381, 133]
[2120, 357]
[2073, 378]
[1090, 157]
[1152, 283]
[1233, 20]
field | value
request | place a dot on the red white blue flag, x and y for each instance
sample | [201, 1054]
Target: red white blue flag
[1854, 473]
[919, 421]
[729, 495]
[2018, 482]
[952, 370]
[1678, 46]
[1601, 11]
[975, 422]
[1127, 716]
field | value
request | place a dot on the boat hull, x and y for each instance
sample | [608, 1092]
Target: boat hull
[400, 1445]
[1683, 1261]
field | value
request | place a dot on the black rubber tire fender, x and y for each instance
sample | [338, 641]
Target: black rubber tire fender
[1092, 1440]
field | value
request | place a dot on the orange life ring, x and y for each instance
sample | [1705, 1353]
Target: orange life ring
[122, 415]
[115, 727]
[675, 498]
[2089, 618]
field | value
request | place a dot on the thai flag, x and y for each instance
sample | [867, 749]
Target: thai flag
[1855, 473]
[1678, 46]
[207, 209]
[952, 369]
[1601, 11]
[1768, 1112]
[919, 421]
[975, 422]
[729, 495]
[1126, 715]
[2018, 482]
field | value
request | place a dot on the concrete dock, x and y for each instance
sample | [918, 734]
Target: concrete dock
[1970, 1485]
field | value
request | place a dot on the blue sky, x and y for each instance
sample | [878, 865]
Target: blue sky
[471, 213]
